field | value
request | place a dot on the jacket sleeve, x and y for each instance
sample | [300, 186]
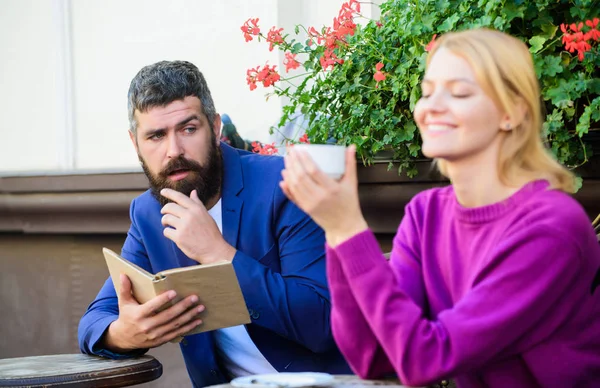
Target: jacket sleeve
[105, 308]
[293, 302]
[534, 269]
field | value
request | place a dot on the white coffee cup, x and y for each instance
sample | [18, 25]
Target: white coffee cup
[330, 158]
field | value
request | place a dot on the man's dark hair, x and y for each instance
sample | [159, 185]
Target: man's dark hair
[162, 83]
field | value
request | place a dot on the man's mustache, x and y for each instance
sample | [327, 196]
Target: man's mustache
[180, 163]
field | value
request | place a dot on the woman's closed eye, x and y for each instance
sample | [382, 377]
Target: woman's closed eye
[461, 95]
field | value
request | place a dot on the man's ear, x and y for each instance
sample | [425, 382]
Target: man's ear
[217, 128]
[133, 138]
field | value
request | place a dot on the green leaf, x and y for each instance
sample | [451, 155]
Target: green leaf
[414, 97]
[552, 66]
[296, 48]
[513, 10]
[449, 23]
[414, 149]
[427, 20]
[537, 43]
[549, 30]
[578, 183]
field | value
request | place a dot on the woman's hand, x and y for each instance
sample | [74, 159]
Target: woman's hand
[332, 204]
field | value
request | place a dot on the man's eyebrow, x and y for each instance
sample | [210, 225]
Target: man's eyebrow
[153, 131]
[187, 120]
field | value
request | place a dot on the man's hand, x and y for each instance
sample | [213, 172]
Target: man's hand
[139, 326]
[188, 224]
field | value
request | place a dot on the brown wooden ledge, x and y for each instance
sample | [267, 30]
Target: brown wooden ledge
[99, 203]
[92, 203]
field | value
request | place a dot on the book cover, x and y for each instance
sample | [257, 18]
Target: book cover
[216, 286]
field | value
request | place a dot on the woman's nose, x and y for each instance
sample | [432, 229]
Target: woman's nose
[436, 102]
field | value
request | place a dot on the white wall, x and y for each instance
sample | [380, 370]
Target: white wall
[65, 68]
[113, 39]
[30, 101]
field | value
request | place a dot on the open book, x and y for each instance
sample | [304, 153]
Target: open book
[216, 286]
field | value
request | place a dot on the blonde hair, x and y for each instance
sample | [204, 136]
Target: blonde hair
[504, 69]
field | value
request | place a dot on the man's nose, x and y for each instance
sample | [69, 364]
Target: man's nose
[175, 148]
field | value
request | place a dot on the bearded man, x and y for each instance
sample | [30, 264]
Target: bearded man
[209, 202]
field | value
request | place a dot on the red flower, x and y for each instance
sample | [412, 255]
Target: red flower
[577, 40]
[430, 44]
[378, 23]
[304, 139]
[329, 59]
[274, 37]
[576, 27]
[266, 149]
[343, 25]
[268, 76]
[291, 63]
[250, 28]
[251, 77]
[379, 75]
[593, 33]
[592, 23]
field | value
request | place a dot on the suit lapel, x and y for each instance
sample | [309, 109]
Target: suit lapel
[233, 184]
[232, 212]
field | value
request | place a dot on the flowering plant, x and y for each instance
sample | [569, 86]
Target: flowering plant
[360, 83]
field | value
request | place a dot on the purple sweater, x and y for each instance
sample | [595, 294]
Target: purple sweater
[496, 296]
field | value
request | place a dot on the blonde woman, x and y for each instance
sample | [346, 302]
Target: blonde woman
[491, 279]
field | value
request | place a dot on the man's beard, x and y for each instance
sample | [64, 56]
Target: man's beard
[205, 179]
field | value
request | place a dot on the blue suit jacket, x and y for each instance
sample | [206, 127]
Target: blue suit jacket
[280, 264]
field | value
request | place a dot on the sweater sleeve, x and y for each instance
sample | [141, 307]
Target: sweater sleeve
[349, 326]
[527, 276]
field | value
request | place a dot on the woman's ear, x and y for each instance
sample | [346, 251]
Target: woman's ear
[511, 121]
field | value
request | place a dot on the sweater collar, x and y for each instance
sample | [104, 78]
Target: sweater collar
[496, 210]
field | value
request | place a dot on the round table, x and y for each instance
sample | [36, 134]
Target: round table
[353, 381]
[348, 381]
[77, 370]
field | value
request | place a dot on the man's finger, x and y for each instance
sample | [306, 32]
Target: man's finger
[177, 197]
[182, 331]
[177, 309]
[169, 320]
[170, 220]
[124, 293]
[173, 208]
[170, 233]
[195, 198]
[156, 303]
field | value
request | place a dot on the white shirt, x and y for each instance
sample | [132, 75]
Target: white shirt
[235, 349]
